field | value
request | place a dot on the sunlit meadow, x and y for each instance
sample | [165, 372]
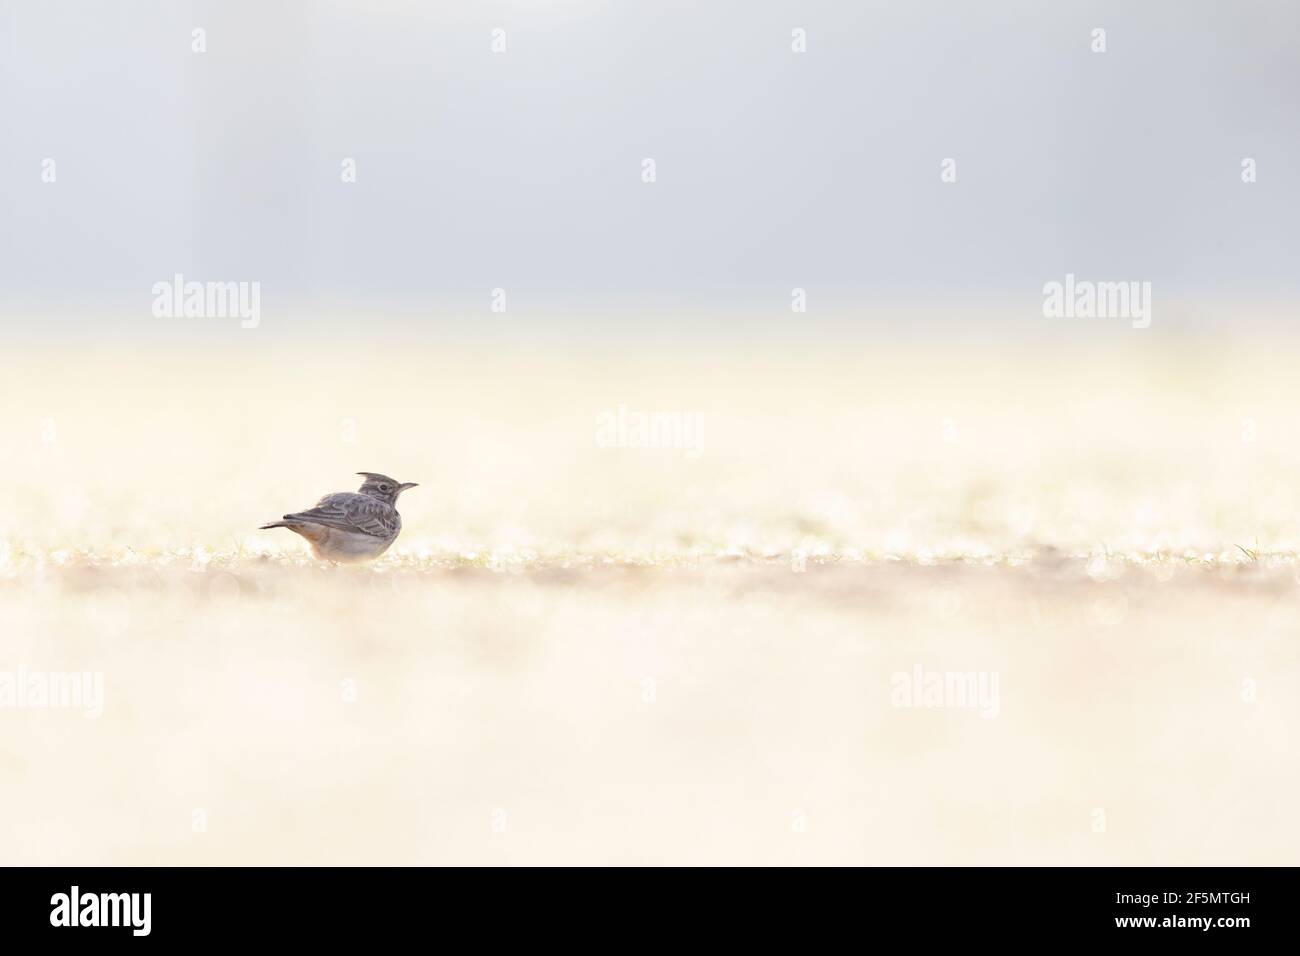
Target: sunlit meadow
[844, 432]
[583, 652]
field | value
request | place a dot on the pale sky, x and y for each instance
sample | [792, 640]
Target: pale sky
[522, 169]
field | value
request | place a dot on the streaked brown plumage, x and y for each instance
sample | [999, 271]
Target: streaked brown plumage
[351, 525]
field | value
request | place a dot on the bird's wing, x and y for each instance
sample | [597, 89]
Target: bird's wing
[349, 511]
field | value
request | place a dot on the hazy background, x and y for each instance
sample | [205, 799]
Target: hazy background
[522, 170]
[583, 653]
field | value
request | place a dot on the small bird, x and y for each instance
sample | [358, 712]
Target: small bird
[351, 525]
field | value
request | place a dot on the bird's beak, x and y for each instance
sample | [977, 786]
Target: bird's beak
[407, 484]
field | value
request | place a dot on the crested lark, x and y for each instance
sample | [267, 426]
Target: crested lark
[351, 525]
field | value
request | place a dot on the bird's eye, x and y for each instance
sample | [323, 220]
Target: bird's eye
[385, 487]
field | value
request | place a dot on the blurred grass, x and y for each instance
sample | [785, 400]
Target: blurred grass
[631, 655]
[646, 714]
